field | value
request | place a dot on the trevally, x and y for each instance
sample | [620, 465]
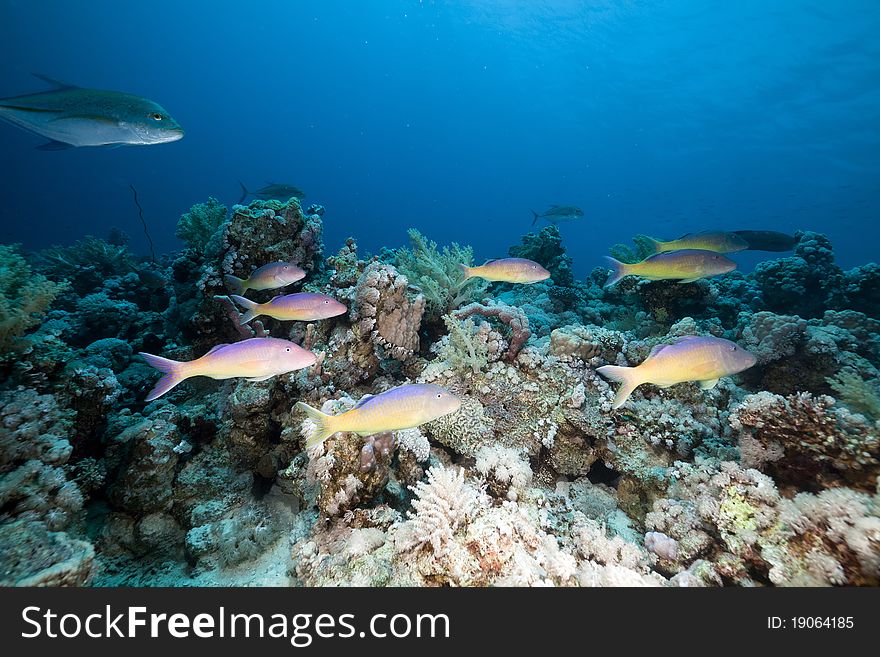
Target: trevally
[559, 213]
[72, 116]
[270, 191]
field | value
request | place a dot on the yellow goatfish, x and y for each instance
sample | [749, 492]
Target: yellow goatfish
[708, 240]
[301, 307]
[267, 277]
[685, 266]
[256, 359]
[691, 358]
[507, 270]
[402, 407]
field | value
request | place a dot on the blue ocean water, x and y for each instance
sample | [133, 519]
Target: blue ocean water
[459, 117]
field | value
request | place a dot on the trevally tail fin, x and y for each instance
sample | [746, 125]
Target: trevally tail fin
[173, 374]
[537, 216]
[250, 307]
[323, 424]
[628, 381]
[244, 192]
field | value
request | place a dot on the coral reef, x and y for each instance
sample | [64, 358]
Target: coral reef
[769, 478]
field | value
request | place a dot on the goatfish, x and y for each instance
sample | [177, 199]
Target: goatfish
[686, 266]
[72, 116]
[267, 277]
[277, 191]
[710, 240]
[300, 307]
[507, 270]
[691, 358]
[767, 240]
[255, 359]
[402, 407]
[558, 214]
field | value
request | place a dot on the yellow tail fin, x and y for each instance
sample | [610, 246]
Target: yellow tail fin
[323, 424]
[628, 378]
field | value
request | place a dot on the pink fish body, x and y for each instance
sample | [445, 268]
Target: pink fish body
[255, 359]
[703, 359]
[302, 307]
[267, 277]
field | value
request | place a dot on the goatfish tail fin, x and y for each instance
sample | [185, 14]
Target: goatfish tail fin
[628, 378]
[174, 374]
[618, 270]
[251, 308]
[537, 216]
[465, 271]
[235, 284]
[656, 244]
[323, 424]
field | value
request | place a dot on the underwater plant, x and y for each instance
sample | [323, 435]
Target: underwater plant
[438, 274]
[25, 296]
[197, 226]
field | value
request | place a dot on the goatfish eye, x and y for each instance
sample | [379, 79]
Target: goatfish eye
[287, 349]
[156, 116]
[439, 395]
[534, 266]
[285, 267]
[326, 301]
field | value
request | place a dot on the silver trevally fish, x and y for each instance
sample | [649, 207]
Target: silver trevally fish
[559, 213]
[72, 116]
[270, 191]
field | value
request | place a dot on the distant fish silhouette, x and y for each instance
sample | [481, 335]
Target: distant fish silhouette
[277, 191]
[559, 213]
[767, 240]
[72, 116]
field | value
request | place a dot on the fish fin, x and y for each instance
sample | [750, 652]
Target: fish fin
[88, 118]
[363, 400]
[488, 261]
[53, 145]
[655, 243]
[22, 108]
[689, 280]
[465, 271]
[251, 308]
[627, 377]
[537, 216]
[618, 270]
[657, 348]
[216, 347]
[708, 384]
[323, 424]
[173, 374]
[260, 378]
[235, 284]
[244, 192]
[52, 82]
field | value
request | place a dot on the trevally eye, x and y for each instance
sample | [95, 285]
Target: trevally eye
[156, 116]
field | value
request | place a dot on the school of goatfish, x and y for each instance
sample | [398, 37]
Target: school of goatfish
[700, 359]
